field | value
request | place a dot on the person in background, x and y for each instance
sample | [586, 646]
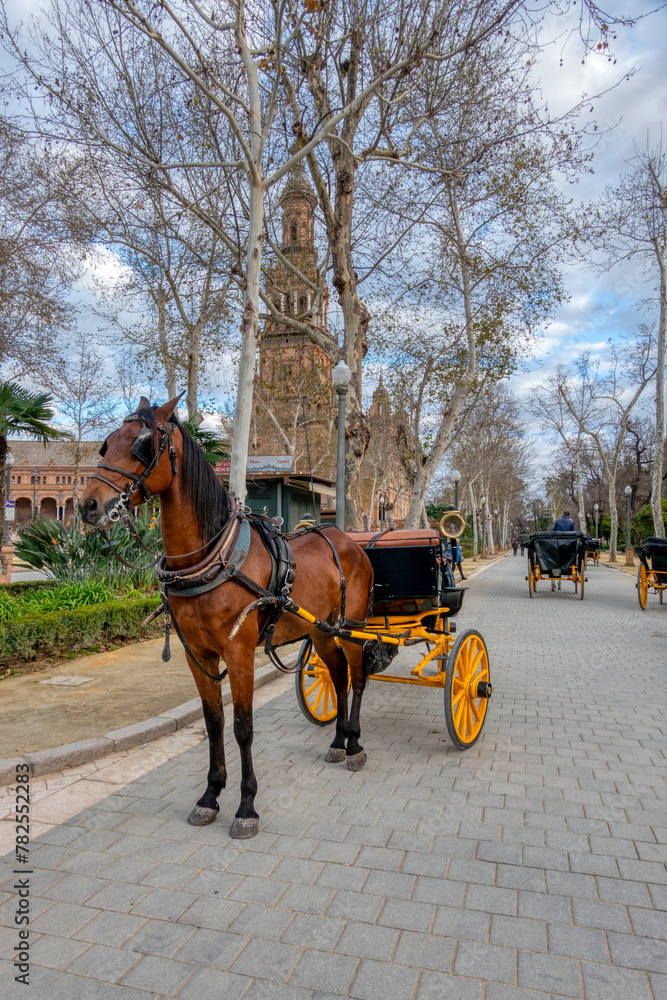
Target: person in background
[564, 523]
[515, 546]
[454, 553]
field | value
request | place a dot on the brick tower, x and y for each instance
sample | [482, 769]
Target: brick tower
[294, 380]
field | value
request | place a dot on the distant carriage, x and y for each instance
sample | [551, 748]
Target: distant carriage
[557, 555]
[652, 572]
[593, 550]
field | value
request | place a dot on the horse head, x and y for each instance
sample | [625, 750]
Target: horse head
[140, 458]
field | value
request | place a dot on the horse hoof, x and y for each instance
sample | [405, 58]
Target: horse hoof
[335, 755]
[201, 816]
[244, 829]
[357, 761]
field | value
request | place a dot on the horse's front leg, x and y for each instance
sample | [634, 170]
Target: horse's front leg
[206, 809]
[242, 682]
[355, 755]
[336, 661]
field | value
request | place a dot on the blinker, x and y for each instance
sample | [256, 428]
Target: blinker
[103, 449]
[142, 446]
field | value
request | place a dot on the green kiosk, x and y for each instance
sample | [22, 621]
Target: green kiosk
[271, 484]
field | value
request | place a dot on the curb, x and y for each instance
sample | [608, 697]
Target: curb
[72, 754]
[485, 565]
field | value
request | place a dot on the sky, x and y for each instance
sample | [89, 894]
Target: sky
[603, 307]
[597, 307]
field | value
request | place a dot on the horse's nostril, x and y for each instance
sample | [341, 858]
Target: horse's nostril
[91, 505]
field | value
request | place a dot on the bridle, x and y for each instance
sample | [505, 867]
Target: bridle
[142, 449]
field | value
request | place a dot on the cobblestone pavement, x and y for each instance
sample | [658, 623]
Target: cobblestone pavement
[528, 867]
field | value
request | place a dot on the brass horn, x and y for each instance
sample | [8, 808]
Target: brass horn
[452, 524]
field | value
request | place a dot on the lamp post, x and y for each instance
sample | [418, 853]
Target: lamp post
[341, 376]
[456, 476]
[629, 560]
[496, 538]
[382, 501]
[9, 461]
[483, 545]
[596, 508]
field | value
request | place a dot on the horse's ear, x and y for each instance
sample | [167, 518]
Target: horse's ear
[163, 413]
[144, 403]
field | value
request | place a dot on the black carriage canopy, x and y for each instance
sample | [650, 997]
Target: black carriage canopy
[557, 550]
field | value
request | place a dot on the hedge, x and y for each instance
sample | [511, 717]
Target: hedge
[62, 631]
[20, 587]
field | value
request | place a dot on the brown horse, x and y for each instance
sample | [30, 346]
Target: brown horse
[194, 509]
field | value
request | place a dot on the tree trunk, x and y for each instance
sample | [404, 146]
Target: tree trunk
[249, 342]
[656, 491]
[77, 467]
[613, 514]
[580, 492]
[167, 364]
[194, 340]
[473, 504]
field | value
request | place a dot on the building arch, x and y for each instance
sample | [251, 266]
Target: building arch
[23, 510]
[48, 508]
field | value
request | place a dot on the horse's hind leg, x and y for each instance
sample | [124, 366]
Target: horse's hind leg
[242, 682]
[336, 662]
[206, 809]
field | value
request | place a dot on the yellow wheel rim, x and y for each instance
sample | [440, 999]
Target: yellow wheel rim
[318, 690]
[642, 584]
[468, 710]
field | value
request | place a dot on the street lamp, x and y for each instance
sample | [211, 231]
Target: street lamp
[483, 525]
[596, 508]
[629, 561]
[382, 501]
[496, 539]
[9, 461]
[456, 476]
[341, 376]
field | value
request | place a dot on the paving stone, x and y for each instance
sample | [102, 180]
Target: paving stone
[297, 870]
[425, 951]
[408, 915]
[249, 889]
[267, 960]
[110, 928]
[436, 986]
[159, 937]
[211, 912]
[306, 898]
[327, 973]
[164, 904]
[367, 941]
[209, 948]
[355, 906]
[386, 883]
[578, 942]
[485, 961]
[518, 932]
[431, 890]
[159, 975]
[380, 981]
[543, 907]
[471, 925]
[102, 962]
[607, 916]
[638, 952]
[54, 952]
[494, 991]
[602, 982]
[548, 972]
[62, 919]
[261, 921]
[491, 899]
[275, 991]
[335, 876]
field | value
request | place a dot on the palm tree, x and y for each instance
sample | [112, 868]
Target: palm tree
[213, 446]
[21, 413]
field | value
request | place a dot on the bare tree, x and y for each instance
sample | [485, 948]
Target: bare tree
[608, 400]
[83, 393]
[629, 223]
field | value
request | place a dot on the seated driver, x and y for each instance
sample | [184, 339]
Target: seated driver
[564, 523]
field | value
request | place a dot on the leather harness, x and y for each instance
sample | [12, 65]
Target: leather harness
[223, 562]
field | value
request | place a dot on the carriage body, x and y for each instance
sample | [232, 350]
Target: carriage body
[558, 556]
[413, 601]
[652, 572]
[593, 550]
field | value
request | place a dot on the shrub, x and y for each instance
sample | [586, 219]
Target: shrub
[642, 522]
[69, 554]
[76, 628]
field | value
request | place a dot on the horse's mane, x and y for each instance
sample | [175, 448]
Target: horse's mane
[206, 495]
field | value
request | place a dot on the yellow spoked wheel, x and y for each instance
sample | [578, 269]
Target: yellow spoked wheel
[467, 689]
[315, 692]
[642, 586]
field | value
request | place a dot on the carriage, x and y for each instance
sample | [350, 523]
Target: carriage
[558, 556]
[593, 550]
[414, 601]
[652, 570]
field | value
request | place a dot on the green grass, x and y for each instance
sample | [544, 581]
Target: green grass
[63, 597]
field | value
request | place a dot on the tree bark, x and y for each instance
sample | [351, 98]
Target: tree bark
[658, 460]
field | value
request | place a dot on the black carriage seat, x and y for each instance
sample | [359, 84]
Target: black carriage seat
[655, 549]
[557, 551]
[411, 573]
